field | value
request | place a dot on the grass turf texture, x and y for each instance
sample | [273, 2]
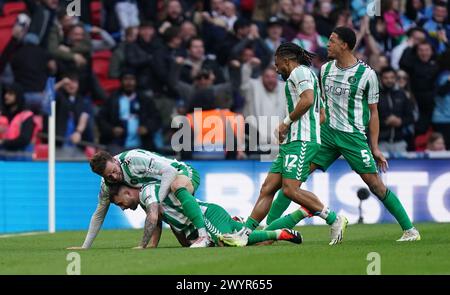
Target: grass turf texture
[112, 254]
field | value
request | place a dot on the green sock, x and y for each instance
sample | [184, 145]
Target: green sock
[288, 221]
[280, 205]
[251, 223]
[258, 236]
[331, 218]
[392, 203]
[190, 207]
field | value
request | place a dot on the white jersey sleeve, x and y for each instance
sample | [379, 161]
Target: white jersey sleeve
[373, 88]
[302, 79]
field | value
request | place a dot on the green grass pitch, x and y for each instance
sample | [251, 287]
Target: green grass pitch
[112, 254]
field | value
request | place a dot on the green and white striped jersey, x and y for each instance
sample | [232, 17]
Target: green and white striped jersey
[307, 128]
[348, 93]
[140, 167]
[172, 211]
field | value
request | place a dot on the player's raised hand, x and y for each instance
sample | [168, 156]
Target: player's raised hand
[382, 163]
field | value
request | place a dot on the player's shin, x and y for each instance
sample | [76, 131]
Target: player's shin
[279, 205]
[393, 205]
[289, 221]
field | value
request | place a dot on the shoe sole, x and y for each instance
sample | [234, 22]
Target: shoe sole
[418, 238]
[229, 243]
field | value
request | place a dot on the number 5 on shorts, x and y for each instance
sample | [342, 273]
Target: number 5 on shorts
[365, 156]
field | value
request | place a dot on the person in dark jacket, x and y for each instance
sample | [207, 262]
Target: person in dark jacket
[73, 113]
[395, 112]
[127, 120]
[423, 69]
[16, 123]
[42, 17]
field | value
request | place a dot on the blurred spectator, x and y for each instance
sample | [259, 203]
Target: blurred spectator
[322, 18]
[188, 31]
[213, 26]
[30, 65]
[73, 113]
[139, 56]
[197, 60]
[256, 44]
[378, 30]
[422, 68]
[74, 55]
[165, 92]
[415, 36]
[127, 13]
[17, 126]
[126, 120]
[392, 19]
[414, 13]
[202, 93]
[441, 113]
[274, 34]
[241, 31]
[291, 27]
[42, 17]
[438, 28]
[435, 143]
[229, 14]
[395, 112]
[263, 99]
[308, 38]
[174, 16]
[404, 84]
[284, 10]
[59, 38]
[104, 40]
[118, 60]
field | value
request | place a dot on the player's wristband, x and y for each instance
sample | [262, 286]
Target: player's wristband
[287, 120]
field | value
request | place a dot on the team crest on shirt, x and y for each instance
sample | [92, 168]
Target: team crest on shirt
[134, 181]
[126, 161]
[351, 80]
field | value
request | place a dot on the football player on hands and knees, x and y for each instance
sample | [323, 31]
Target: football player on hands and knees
[169, 210]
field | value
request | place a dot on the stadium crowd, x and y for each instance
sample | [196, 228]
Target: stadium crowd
[125, 68]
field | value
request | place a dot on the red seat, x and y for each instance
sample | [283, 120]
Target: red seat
[96, 13]
[100, 67]
[40, 152]
[14, 8]
[8, 21]
[5, 36]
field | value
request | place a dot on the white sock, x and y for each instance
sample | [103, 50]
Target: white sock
[202, 232]
[324, 213]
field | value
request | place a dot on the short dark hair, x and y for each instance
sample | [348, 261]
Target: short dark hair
[171, 33]
[411, 31]
[241, 23]
[113, 190]
[347, 35]
[99, 160]
[387, 70]
[291, 50]
[189, 43]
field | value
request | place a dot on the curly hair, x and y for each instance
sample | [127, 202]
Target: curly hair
[292, 51]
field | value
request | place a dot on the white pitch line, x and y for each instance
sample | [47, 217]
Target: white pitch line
[22, 234]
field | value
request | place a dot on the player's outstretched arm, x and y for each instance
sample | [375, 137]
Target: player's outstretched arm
[151, 222]
[154, 240]
[95, 224]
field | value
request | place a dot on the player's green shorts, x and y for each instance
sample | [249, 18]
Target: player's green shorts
[294, 159]
[190, 172]
[219, 222]
[353, 146]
